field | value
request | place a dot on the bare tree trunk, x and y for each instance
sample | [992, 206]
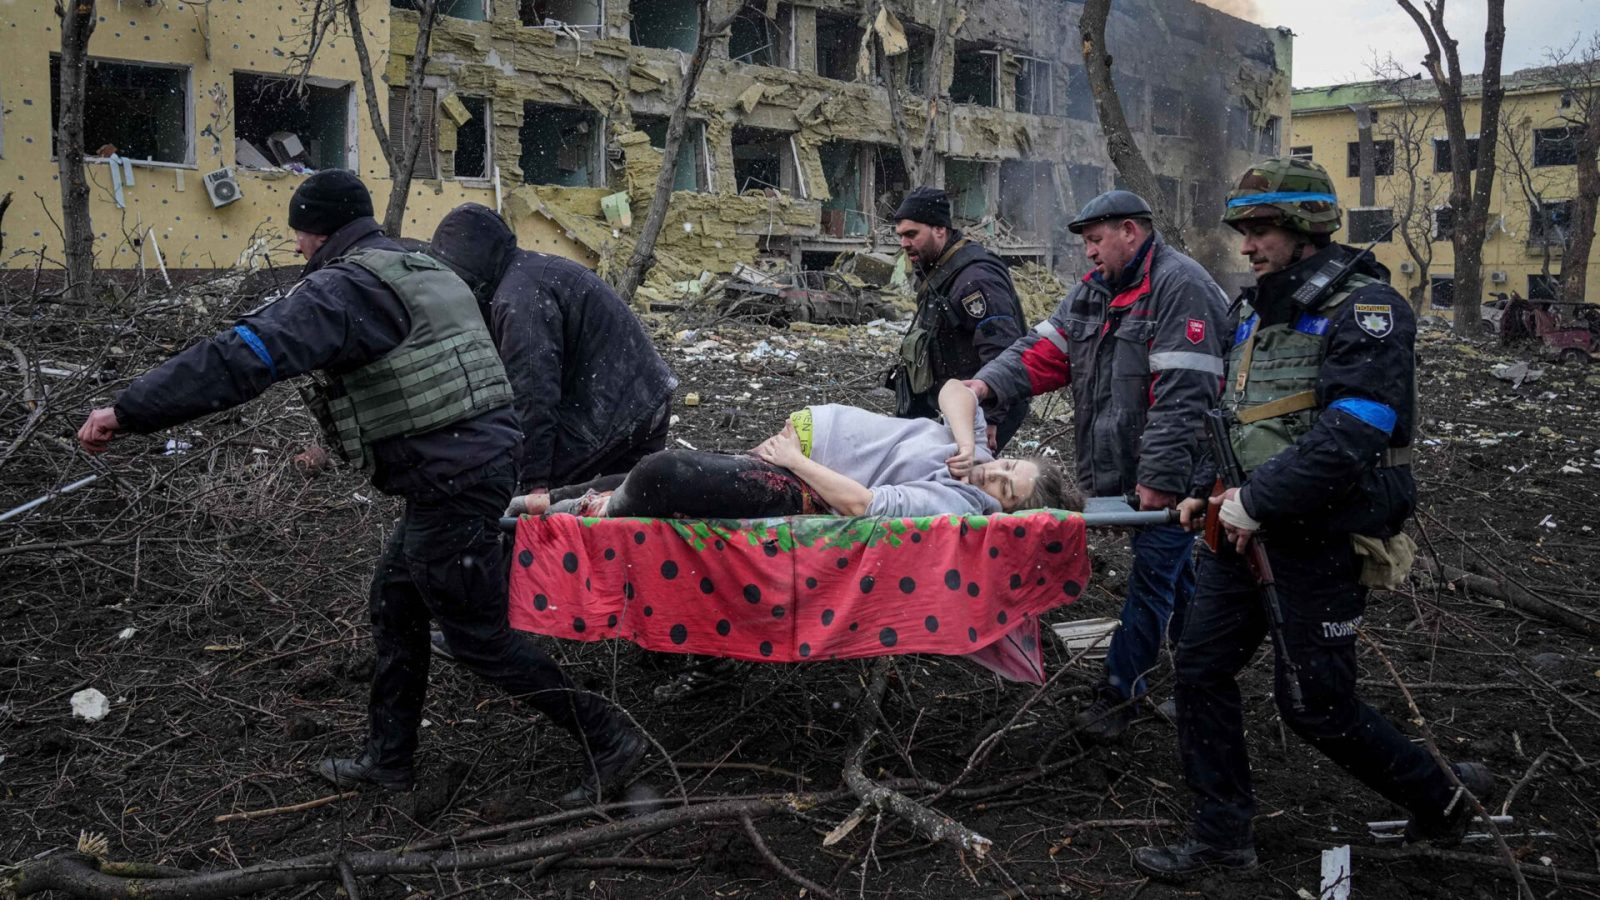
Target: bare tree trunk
[1470, 200]
[644, 248]
[406, 155]
[369, 88]
[1575, 261]
[897, 115]
[936, 89]
[1125, 154]
[77, 26]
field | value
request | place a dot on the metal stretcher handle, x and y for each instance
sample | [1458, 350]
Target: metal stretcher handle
[1120, 518]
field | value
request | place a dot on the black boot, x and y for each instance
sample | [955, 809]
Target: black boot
[1107, 718]
[362, 771]
[1191, 859]
[1448, 830]
[615, 750]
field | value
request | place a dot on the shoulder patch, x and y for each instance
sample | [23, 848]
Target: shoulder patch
[975, 304]
[1195, 330]
[1376, 319]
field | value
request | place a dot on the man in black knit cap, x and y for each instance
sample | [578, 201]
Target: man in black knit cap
[410, 389]
[967, 312]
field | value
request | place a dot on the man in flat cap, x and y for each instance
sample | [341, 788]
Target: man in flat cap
[409, 388]
[967, 312]
[1140, 340]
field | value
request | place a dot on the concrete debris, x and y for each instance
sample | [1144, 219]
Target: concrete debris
[1517, 373]
[90, 704]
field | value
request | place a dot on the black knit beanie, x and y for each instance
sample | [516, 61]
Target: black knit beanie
[328, 201]
[928, 205]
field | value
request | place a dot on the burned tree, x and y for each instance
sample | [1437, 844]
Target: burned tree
[1472, 182]
[644, 248]
[1125, 153]
[77, 232]
[1409, 125]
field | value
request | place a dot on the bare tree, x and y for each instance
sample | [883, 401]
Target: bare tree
[1577, 70]
[1125, 153]
[402, 158]
[918, 157]
[1469, 195]
[1410, 123]
[77, 26]
[1516, 163]
[644, 248]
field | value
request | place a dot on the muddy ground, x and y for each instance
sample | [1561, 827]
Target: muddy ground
[217, 597]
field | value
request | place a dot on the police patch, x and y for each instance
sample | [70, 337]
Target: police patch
[1195, 330]
[1376, 319]
[975, 304]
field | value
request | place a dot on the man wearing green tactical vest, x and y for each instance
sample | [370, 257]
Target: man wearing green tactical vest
[967, 313]
[410, 389]
[1319, 403]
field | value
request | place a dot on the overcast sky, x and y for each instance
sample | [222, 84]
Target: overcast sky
[1336, 42]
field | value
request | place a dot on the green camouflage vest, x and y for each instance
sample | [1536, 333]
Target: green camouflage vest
[446, 370]
[1274, 376]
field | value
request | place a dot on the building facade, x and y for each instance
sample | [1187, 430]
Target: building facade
[548, 109]
[1535, 178]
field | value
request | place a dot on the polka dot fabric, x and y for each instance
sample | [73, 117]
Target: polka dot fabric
[803, 588]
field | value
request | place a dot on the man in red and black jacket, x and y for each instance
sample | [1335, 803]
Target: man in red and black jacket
[1140, 340]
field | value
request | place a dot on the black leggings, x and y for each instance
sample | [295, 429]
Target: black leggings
[693, 484]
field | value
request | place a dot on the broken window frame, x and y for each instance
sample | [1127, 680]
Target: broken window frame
[687, 39]
[968, 49]
[186, 74]
[1382, 158]
[1436, 279]
[427, 167]
[488, 145]
[960, 206]
[886, 196]
[1270, 136]
[1441, 154]
[1033, 224]
[1364, 232]
[352, 120]
[852, 51]
[781, 33]
[1444, 222]
[1548, 216]
[449, 8]
[791, 180]
[1556, 146]
[919, 47]
[596, 151]
[1304, 152]
[694, 140]
[582, 30]
[1037, 70]
[857, 221]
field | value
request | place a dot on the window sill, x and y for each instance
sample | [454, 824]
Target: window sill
[137, 163]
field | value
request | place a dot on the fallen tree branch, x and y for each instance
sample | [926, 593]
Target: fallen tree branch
[1514, 594]
[81, 875]
[278, 810]
[772, 859]
[933, 825]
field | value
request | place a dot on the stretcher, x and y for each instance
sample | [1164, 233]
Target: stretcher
[809, 588]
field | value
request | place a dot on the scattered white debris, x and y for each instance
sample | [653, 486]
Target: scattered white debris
[1570, 469]
[1336, 873]
[686, 444]
[1516, 373]
[126, 633]
[176, 447]
[1548, 522]
[90, 704]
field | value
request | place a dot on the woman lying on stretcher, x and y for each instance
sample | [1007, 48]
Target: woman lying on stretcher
[847, 461]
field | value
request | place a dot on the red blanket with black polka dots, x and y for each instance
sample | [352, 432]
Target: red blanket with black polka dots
[803, 588]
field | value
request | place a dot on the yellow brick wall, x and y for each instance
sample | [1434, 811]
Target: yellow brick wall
[214, 41]
[1329, 131]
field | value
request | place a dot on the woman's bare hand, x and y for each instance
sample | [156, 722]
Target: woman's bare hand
[960, 465]
[782, 449]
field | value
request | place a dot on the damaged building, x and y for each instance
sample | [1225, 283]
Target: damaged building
[555, 111]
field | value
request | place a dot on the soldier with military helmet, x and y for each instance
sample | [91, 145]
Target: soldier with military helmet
[1320, 397]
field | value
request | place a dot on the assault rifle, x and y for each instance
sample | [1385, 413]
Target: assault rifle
[1230, 474]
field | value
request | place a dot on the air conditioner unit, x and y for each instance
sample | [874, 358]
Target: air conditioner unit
[222, 187]
[1407, 267]
[1498, 278]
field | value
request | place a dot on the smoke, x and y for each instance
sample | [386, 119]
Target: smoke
[1248, 10]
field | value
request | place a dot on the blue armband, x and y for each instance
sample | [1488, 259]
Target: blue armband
[253, 341]
[1371, 412]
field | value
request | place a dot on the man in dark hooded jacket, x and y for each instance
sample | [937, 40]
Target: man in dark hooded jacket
[410, 389]
[592, 394]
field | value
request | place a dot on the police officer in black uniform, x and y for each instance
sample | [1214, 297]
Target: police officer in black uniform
[1320, 390]
[412, 390]
[967, 312]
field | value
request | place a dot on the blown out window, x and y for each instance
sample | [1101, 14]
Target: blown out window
[139, 111]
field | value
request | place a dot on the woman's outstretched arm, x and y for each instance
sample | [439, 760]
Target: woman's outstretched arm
[959, 405]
